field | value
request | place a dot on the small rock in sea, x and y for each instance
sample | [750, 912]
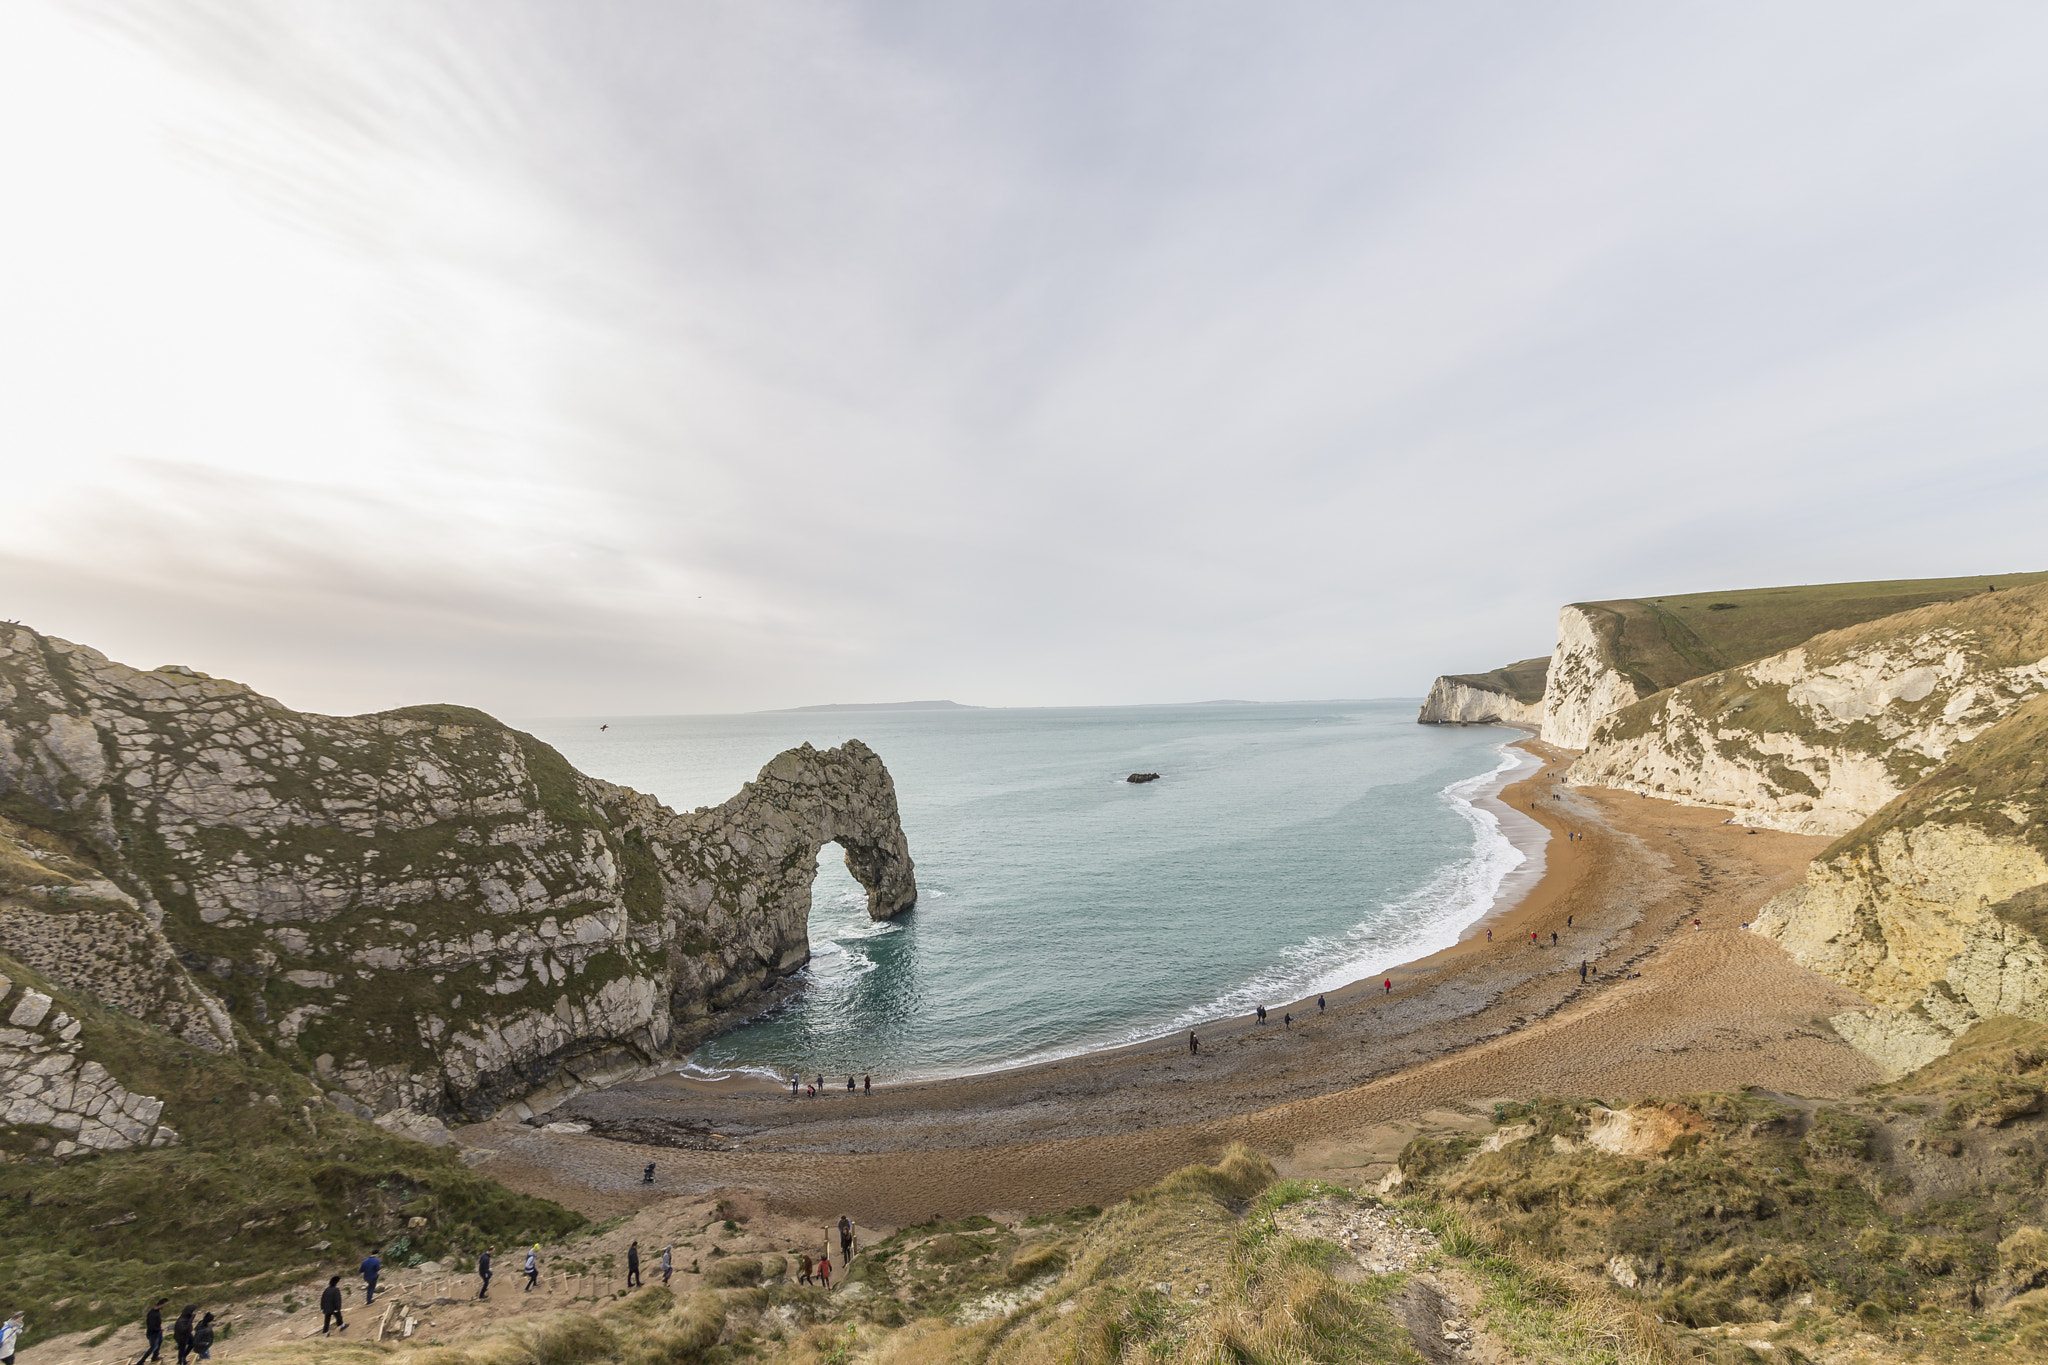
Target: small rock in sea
[1142, 777]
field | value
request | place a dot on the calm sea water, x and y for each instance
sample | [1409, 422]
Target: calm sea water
[1286, 849]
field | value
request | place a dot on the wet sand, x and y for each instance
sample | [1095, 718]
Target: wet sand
[1712, 1008]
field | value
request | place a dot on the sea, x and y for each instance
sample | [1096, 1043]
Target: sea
[1286, 850]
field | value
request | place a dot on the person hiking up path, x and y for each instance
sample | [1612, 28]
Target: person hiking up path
[330, 1306]
[181, 1331]
[202, 1339]
[532, 1269]
[845, 1239]
[633, 1266]
[373, 1265]
[668, 1262]
[153, 1331]
[10, 1337]
[483, 1270]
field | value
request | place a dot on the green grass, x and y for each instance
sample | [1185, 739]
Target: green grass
[1664, 641]
[1522, 680]
[236, 1210]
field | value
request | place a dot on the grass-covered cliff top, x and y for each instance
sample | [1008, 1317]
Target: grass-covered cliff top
[1664, 641]
[1522, 680]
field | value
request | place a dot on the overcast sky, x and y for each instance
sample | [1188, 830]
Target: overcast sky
[603, 358]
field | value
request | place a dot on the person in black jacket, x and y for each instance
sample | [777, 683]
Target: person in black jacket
[483, 1269]
[202, 1338]
[633, 1266]
[153, 1328]
[181, 1331]
[330, 1306]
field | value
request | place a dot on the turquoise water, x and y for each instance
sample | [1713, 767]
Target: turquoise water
[1286, 849]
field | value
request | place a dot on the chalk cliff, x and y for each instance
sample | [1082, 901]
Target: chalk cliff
[1586, 681]
[1935, 908]
[425, 908]
[1512, 695]
[1818, 738]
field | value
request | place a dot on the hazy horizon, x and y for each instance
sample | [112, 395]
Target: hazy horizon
[667, 359]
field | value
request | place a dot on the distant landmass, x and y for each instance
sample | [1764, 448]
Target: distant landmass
[884, 706]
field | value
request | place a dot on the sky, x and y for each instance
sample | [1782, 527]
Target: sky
[604, 357]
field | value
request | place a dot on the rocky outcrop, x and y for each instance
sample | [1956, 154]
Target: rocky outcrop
[426, 908]
[1935, 909]
[1818, 738]
[1506, 696]
[45, 1084]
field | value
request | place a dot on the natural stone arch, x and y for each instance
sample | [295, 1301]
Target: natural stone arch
[761, 851]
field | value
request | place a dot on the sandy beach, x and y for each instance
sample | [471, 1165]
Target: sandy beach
[1667, 1008]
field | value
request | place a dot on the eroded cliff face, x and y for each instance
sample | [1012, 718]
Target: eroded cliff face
[428, 909]
[1818, 738]
[1512, 695]
[1585, 686]
[1934, 909]
[1451, 702]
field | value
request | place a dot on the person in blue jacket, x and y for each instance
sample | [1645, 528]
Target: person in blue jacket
[371, 1266]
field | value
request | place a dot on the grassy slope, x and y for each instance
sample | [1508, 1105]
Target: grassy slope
[1195, 1269]
[237, 1209]
[1905, 1212]
[1905, 1224]
[1664, 641]
[1522, 680]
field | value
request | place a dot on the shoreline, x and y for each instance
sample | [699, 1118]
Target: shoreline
[1527, 835]
[1669, 1011]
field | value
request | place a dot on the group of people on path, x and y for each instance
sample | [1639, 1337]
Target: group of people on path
[820, 1271]
[193, 1335]
[814, 1089]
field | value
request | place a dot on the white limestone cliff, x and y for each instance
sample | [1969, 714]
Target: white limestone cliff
[429, 910]
[1820, 737]
[1584, 685]
[1453, 701]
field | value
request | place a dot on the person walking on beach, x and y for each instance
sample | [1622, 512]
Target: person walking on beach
[10, 1336]
[1582, 971]
[1567, 921]
[483, 1270]
[1194, 1044]
[181, 1331]
[1389, 984]
[372, 1266]
[1321, 1004]
[792, 1087]
[532, 1268]
[202, 1339]
[633, 1266]
[803, 1265]
[821, 1084]
[845, 1239]
[1553, 938]
[849, 1085]
[1262, 1014]
[867, 1085]
[1288, 1020]
[1489, 935]
[330, 1306]
[153, 1330]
